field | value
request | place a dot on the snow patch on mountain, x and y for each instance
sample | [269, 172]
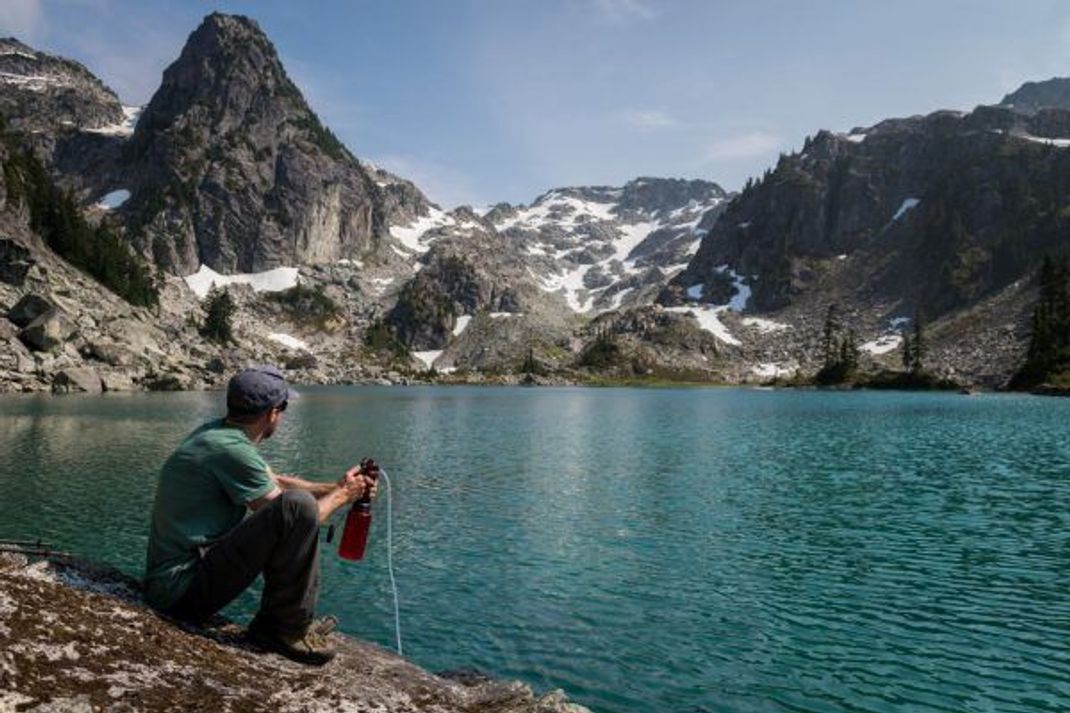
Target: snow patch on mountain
[124, 128]
[290, 341]
[765, 326]
[113, 200]
[907, 205]
[462, 324]
[1060, 143]
[281, 278]
[709, 318]
[883, 345]
[774, 370]
[708, 315]
[601, 248]
[35, 82]
[428, 358]
[412, 236]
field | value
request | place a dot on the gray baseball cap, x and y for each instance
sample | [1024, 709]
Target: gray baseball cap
[257, 389]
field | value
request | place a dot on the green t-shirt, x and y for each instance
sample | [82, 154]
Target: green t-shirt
[202, 494]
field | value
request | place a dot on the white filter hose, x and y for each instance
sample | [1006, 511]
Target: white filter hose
[390, 556]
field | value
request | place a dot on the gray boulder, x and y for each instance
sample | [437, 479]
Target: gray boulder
[48, 332]
[27, 309]
[107, 352]
[15, 262]
[82, 379]
[117, 381]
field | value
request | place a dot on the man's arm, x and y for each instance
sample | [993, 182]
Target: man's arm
[350, 487]
[292, 482]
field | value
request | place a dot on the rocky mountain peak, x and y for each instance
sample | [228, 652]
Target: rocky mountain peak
[230, 168]
[228, 76]
[43, 93]
[663, 195]
[603, 247]
[1032, 97]
[11, 45]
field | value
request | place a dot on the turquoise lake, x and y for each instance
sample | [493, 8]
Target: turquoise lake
[646, 550]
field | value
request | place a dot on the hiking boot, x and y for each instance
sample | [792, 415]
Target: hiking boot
[309, 648]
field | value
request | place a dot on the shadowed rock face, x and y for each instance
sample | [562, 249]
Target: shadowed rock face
[1034, 96]
[230, 167]
[45, 93]
[935, 212]
[76, 637]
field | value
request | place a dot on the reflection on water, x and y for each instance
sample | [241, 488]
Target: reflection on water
[703, 550]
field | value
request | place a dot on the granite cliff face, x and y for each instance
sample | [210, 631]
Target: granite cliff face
[230, 168]
[940, 215]
[936, 211]
[518, 283]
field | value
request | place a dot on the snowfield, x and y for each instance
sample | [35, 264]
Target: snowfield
[124, 128]
[765, 326]
[907, 205]
[287, 340]
[709, 319]
[708, 315]
[559, 224]
[113, 200]
[883, 345]
[412, 235]
[462, 324]
[428, 358]
[281, 278]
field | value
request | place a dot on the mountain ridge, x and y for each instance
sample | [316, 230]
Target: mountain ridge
[227, 171]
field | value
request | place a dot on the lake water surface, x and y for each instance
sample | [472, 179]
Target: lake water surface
[646, 550]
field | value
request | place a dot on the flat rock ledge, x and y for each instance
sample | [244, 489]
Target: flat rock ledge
[76, 637]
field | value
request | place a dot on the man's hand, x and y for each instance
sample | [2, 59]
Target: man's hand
[353, 484]
[371, 485]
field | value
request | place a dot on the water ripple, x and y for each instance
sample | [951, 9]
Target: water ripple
[683, 550]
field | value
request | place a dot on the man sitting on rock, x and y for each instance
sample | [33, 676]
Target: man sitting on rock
[203, 551]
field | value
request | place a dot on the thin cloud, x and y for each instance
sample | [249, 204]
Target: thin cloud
[650, 120]
[22, 18]
[752, 144]
[621, 11]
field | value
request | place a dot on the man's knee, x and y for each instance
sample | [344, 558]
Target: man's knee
[301, 505]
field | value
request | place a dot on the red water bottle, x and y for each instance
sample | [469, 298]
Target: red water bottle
[359, 519]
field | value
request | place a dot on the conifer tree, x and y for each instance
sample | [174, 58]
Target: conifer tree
[1049, 348]
[219, 309]
[919, 349]
[850, 352]
[829, 337]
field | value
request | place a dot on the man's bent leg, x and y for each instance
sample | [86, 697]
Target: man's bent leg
[292, 574]
[268, 541]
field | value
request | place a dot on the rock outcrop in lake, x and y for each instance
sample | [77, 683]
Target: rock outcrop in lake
[76, 637]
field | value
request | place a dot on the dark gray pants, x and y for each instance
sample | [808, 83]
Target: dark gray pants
[281, 541]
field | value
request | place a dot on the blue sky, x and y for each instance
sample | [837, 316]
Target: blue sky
[480, 101]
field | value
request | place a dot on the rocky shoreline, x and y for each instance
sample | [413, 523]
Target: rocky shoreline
[76, 637]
